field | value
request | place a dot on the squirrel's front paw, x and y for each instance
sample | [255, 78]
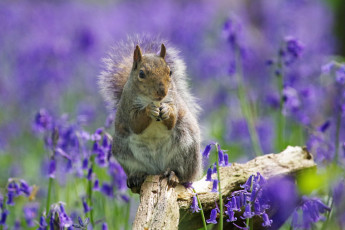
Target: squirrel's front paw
[164, 111]
[154, 111]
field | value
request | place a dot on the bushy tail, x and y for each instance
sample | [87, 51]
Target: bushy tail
[119, 63]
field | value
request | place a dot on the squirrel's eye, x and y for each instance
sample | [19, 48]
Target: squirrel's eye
[170, 73]
[141, 74]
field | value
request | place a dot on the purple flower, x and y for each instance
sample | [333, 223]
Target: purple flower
[30, 214]
[257, 207]
[247, 212]
[107, 189]
[82, 224]
[96, 185]
[195, 207]
[226, 160]
[231, 215]
[248, 183]
[86, 206]
[294, 221]
[3, 218]
[207, 150]
[25, 188]
[340, 75]
[65, 220]
[104, 226]
[43, 224]
[267, 222]
[293, 50]
[209, 174]
[109, 120]
[52, 168]
[214, 168]
[215, 186]
[89, 173]
[10, 196]
[42, 120]
[85, 163]
[325, 126]
[220, 156]
[213, 217]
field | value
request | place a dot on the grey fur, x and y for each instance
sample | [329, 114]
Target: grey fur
[157, 148]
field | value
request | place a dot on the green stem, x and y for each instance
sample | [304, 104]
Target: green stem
[201, 210]
[89, 193]
[220, 196]
[281, 118]
[48, 198]
[127, 226]
[245, 106]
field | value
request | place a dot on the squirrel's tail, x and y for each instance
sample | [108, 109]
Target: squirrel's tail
[119, 62]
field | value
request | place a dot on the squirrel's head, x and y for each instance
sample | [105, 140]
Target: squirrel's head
[150, 74]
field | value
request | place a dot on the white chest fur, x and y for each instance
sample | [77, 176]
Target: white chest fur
[152, 147]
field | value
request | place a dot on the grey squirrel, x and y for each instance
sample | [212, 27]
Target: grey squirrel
[156, 126]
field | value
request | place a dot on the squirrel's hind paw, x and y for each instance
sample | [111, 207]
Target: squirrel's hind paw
[172, 178]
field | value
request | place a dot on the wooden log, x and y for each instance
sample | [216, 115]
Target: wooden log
[291, 161]
[158, 207]
[162, 206]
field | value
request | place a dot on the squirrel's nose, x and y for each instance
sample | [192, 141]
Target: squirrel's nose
[161, 91]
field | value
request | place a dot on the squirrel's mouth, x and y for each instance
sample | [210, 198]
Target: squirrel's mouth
[158, 99]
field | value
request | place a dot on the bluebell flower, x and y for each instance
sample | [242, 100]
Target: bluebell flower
[107, 189]
[231, 215]
[294, 220]
[30, 214]
[96, 185]
[247, 212]
[325, 126]
[110, 119]
[207, 150]
[3, 218]
[10, 198]
[124, 198]
[257, 207]
[267, 222]
[226, 160]
[89, 174]
[86, 206]
[214, 186]
[220, 155]
[65, 220]
[214, 168]
[213, 217]
[104, 226]
[340, 75]
[52, 167]
[43, 224]
[195, 207]
[42, 120]
[292, 50]
[248, 183]
[209, 174]
[311, 210]
[85, 163]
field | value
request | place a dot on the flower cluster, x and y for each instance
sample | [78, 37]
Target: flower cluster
[250, 199]
[308, 213]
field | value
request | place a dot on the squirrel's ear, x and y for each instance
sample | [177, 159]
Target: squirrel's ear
[137, 56]
[163, 51]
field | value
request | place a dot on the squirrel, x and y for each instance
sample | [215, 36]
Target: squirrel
[156, 124]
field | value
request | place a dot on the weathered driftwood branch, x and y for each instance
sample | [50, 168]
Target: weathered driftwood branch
[159, 204]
